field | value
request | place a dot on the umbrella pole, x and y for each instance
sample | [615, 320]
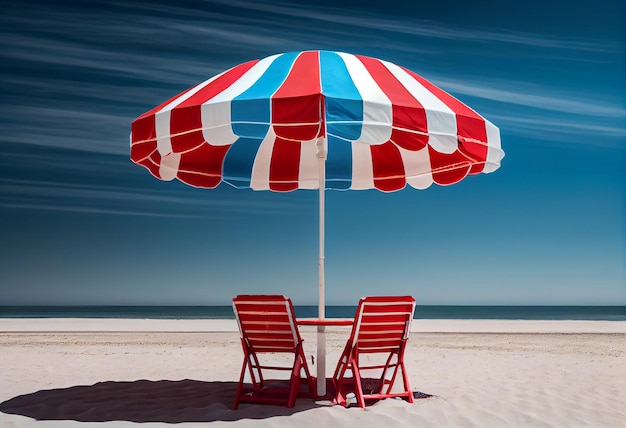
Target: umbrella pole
[321, 330]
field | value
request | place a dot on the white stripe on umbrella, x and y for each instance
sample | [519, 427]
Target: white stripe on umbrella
[362, 167]
[494, 150]
[216, 112]
[163, 116]
[441, 119]
[309, 170]
[417, 168]
[262, 163]
[376, 128]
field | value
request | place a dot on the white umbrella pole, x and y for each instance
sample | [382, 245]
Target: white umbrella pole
[321, 330]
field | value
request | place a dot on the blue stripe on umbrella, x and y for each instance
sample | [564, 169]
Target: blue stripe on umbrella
[338, 164]
[344, 106]
[237, 168]
[344, 118]
[250, 111]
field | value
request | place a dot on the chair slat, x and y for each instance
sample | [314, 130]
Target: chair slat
[382, 317]
[246, 316]
[267, 327]
[381, 326]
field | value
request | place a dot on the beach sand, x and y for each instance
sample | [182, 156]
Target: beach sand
[68, 373]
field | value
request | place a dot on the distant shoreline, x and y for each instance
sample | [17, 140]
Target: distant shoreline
[109, 325]
[458, 312]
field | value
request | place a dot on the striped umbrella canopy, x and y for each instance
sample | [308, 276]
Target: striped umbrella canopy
[315, 120]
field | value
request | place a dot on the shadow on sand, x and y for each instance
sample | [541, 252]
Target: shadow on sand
[144, 401]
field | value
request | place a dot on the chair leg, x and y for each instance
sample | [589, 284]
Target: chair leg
[383, 377]
[338, 376]
[294, 382]
[307, 373]
[405, 380]
[256, 375]
[240, 386]
[358, 388]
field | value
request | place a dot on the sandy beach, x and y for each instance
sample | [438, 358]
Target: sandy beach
[86, 372]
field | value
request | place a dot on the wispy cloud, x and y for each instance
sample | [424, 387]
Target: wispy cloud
[422, 28]
[129, 200]
[94, 131]
[81, 92]
[534, 96]
[81, 58]
[562, 131]
[531, 110]
[91, 210]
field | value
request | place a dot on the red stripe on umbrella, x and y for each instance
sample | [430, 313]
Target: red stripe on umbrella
[296, 104]
[410, 128]
[221, 82]
[284, 167]
[388, 167]
[470, 126]
[203, 167]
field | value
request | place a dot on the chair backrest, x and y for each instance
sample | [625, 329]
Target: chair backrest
[382, 323]
[267, 322]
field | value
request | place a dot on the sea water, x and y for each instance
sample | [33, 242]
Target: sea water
[606, 313]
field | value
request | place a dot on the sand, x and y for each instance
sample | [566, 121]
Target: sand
[109, 373]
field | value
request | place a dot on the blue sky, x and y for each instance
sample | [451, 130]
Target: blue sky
[81, 224]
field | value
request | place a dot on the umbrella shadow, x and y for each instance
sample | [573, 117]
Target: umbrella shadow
[144, 401]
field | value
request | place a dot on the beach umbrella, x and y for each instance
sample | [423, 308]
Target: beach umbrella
[315, 120]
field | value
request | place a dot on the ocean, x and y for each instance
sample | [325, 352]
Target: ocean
[606, 313]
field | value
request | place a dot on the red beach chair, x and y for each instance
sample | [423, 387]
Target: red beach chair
[267, 325]
[377, 342]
